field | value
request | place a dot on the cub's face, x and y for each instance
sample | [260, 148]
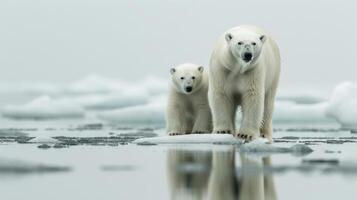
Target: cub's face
[187, 77]
[245, 46]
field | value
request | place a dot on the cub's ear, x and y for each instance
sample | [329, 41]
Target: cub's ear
[228, 37]
[172, 71]
[263, 38]
[200, 68]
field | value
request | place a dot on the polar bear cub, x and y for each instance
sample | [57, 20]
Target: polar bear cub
[244, 71]
[188, 110]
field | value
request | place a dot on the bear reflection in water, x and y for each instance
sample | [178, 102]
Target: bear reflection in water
[214, 176]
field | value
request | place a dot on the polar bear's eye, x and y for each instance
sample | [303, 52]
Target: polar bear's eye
[182, 78]
[240, 43]
[253, 43]
[193, 77]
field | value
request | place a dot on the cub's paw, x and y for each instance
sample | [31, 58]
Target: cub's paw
[175, 133]
[223, 131]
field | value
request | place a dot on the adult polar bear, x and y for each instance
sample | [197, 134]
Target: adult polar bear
[244, 70]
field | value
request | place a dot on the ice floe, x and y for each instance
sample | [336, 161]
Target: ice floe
[259, 145]
[191, 139]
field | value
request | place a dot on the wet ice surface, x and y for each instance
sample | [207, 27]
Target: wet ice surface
[54, 160]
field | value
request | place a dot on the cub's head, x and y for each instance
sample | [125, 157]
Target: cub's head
[245, 46]
[187, 78]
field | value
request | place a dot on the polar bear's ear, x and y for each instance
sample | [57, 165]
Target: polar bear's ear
[263, 38]
[172, 71]
[200, 68]
[228, 37]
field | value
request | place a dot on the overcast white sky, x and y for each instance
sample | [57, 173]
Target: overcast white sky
[65, 40]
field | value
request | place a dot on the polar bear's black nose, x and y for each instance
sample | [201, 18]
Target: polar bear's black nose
[188, 89]
[247, 56]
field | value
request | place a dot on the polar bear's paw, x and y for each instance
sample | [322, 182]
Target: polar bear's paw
[267, 136]
[200, 132]
[247, 136]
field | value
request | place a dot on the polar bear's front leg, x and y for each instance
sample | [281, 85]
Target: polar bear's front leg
[223, 111]
[252, 108]
[266, 130]
[203, 121]
[176, 121]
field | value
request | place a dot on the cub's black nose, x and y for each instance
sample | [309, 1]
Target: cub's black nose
[188, 89]
[247, 56]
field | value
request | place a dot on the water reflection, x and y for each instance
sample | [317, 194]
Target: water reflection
[188, 173]
[219, 175]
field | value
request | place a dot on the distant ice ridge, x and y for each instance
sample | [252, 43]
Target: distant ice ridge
[144, 101]
[99, 85]
[153, 111]
[91, 93]
[44, 108]
[289, 111]
[92, 84]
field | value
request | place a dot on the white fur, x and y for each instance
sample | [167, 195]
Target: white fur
[188, 112]
[251, 85]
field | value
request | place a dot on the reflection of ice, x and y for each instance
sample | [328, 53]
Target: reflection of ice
[188, 173]
[8, 166]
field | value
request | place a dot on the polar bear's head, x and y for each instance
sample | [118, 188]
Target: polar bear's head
[245, 46]
[187, 78]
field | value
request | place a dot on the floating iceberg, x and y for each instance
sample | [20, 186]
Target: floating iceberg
[342, 105]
